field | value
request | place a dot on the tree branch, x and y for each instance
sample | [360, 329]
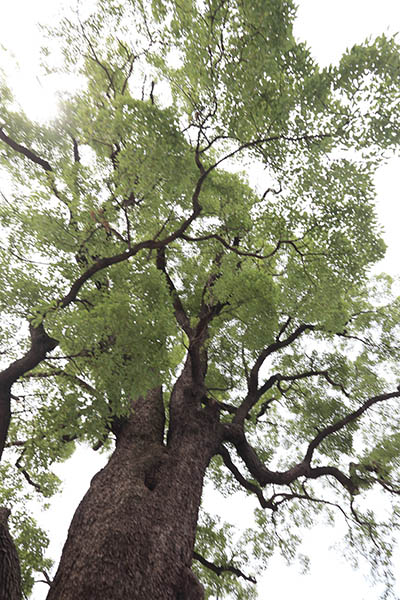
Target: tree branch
[234, 433]
[77, 158]
[180, 313]
[261, 141]
[345, 421]
[55, 372]
[248, 485]
[41, 343]
[26, 474]
[219, 569]
[254, 393]
[32, 156]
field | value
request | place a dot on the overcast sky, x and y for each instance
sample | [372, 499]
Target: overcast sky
[329, 26]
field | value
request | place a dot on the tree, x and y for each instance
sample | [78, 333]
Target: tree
[185, 284]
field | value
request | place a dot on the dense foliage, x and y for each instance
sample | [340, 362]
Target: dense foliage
[206, 168]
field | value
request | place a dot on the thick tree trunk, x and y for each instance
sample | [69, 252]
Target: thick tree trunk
[10, 574]
[132, 536]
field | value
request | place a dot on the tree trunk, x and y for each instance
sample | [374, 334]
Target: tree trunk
[133, 534]
[10, 575]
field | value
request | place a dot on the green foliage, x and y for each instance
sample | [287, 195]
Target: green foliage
[206, 130]
[216, 543]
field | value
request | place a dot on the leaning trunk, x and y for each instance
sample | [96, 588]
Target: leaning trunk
[133, 534]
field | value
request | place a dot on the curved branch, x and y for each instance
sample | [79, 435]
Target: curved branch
[220, 569]
[345, 421]
[103, 263]
[254, 393]
[275, 138]
[248, 485]
[234, 433]
[26, 474]
[41, 344]
[278, 377]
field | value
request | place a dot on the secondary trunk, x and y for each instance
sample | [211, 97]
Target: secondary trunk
[132, 535]
[10, 575]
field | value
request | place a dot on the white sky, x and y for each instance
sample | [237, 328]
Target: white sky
[329, 26]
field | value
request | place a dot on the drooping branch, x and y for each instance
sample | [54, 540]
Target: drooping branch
[221, 569]
[282, 497]
[248, 485]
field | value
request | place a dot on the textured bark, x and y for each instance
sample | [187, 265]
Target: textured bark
[10, 575]
[132, 536]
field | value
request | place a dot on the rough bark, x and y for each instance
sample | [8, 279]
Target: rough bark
[10, 575]
[133, 534]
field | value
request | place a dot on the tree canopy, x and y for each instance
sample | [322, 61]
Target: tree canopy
[206, 193]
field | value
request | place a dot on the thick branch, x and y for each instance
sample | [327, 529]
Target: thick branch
[41, 343]
[234, 434]
[248, 485]
[32, 156]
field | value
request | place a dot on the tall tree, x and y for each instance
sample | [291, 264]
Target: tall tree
[184, 285]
